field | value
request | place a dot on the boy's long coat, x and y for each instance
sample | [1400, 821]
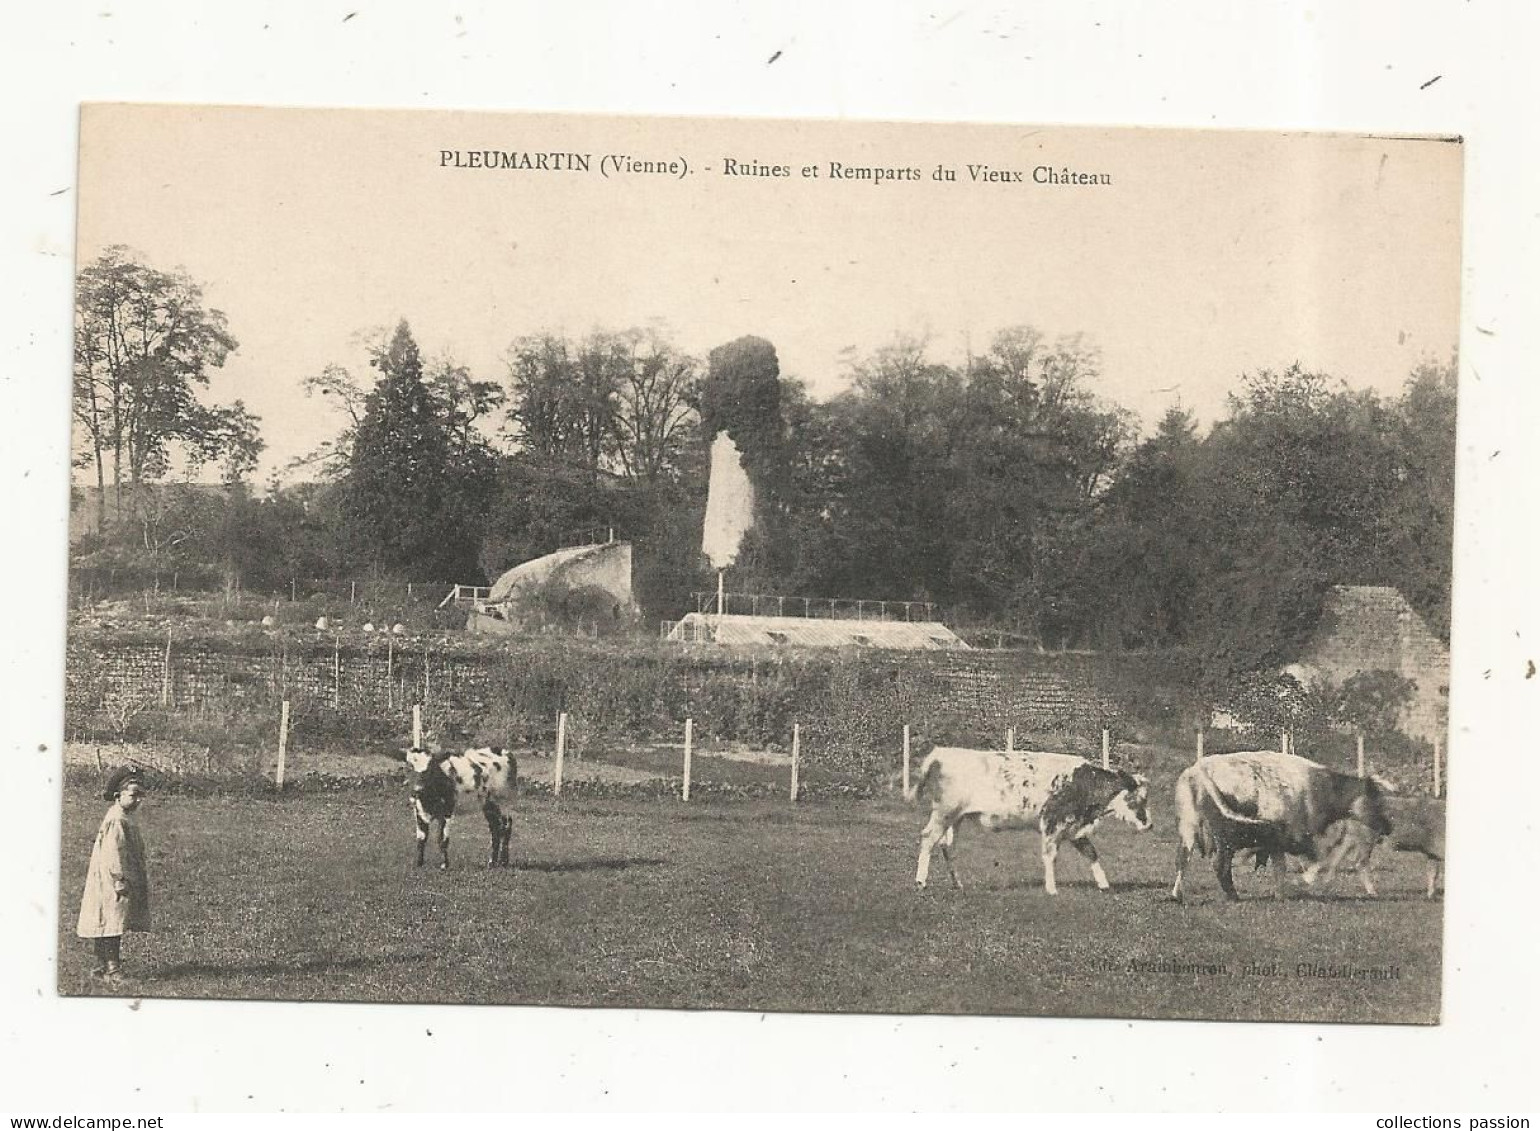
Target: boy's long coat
[117, 855]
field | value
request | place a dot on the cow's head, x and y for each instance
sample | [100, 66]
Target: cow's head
[1131, 803]
[1369, 807]
[425, 769]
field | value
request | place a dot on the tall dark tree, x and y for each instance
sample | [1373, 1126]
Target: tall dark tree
[741, 395]
[543, 410]
[412, 494]
[566, 398]
[1137, 574]
[1038, 449]
[900, 424]
[616, 401]
[1420, 532]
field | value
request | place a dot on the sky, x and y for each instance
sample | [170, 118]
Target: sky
[1209, 255]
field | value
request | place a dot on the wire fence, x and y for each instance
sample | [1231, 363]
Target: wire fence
[92, 584]
[829, 608]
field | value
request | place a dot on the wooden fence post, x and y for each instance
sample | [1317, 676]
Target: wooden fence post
[1010, 740]
[689, 742]
[1199, 758]
[283, 742]
[1360, 753]
[165, 674]
[561, 752]
[796, 756]
[337, 672]
[1438, 775]
[906, 760]
[390, 672]
[1106, 749]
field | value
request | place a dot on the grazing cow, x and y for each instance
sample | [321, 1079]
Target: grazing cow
[1273, 803]
[1063, 795]
[487, 777]
[1416, 825]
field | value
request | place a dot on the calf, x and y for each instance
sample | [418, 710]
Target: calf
[1274, 803]
[486, 777]
[1416, 825]
[1063, 795]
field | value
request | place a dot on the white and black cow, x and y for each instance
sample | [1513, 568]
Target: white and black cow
[440, 782]
[1416, 825]
[1062, 795]
[1276, 804]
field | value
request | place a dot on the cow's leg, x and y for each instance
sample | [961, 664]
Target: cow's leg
[1339, 846]
[930, 836]
[1281, 875]
[1366, 871]
[1329, 871]
[1366, 877]
[946, 854]
[1224, 860]
[443, 843]
[1088, 850]
[1183, 851]
[1050, 854]
[501, 827]
[494, 817]
[423, 825]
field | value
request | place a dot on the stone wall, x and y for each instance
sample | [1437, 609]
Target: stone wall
[647, 687]
[1373, 628]
[608, 568]
[347, 678]
[601, 569]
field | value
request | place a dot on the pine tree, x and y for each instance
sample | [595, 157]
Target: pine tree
[405, 498]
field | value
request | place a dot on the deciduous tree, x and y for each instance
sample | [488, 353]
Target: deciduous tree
[144, 344]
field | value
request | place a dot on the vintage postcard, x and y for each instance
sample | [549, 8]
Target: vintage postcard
[760, 565]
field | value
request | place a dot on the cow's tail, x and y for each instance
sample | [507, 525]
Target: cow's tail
[1211, 791]
[1192, 829]
[922, 780]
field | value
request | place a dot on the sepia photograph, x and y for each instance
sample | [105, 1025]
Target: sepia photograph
[759, 565]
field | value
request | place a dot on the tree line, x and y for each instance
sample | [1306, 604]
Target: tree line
[1003, 488]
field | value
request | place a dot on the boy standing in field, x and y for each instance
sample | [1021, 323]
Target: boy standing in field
[117, 894]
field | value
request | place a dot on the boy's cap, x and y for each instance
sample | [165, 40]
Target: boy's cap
[120, 779]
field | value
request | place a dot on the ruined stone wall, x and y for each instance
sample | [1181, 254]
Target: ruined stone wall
[609, 569]
[1372, 628]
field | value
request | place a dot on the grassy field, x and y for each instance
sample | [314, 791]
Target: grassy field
[737, 905]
